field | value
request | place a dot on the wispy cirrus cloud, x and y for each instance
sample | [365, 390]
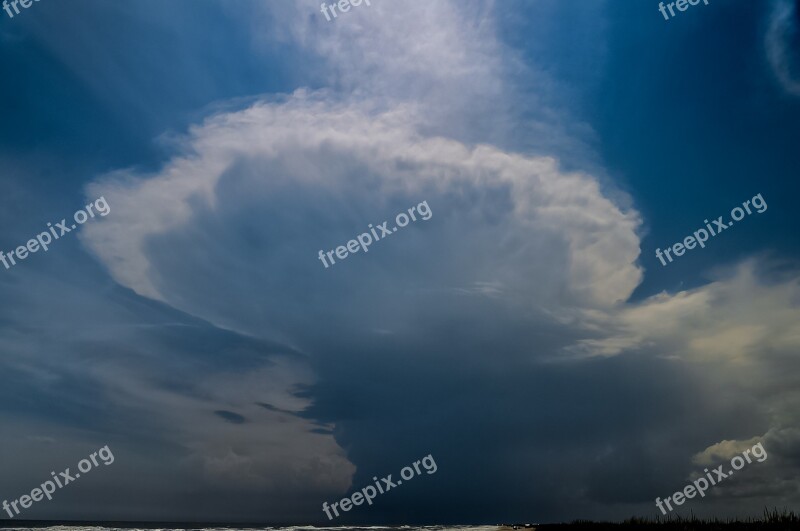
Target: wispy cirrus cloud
[781, 33]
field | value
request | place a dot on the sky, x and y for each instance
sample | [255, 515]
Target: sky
[525, 336]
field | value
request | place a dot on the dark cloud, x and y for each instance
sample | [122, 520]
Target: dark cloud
[230, 416]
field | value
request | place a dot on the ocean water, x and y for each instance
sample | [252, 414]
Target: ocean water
[284, 528]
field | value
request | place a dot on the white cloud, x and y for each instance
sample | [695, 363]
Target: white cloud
[782, 29]
[724, 451]
[731, 320]
[337, 160]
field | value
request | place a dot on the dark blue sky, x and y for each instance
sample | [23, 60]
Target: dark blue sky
[526, 336]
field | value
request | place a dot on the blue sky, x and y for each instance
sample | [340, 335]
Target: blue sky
[526, 335]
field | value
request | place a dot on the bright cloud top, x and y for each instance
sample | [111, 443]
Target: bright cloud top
[504, 217]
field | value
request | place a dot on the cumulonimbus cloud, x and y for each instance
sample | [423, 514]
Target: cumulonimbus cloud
[500, 217]
[229, 228]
